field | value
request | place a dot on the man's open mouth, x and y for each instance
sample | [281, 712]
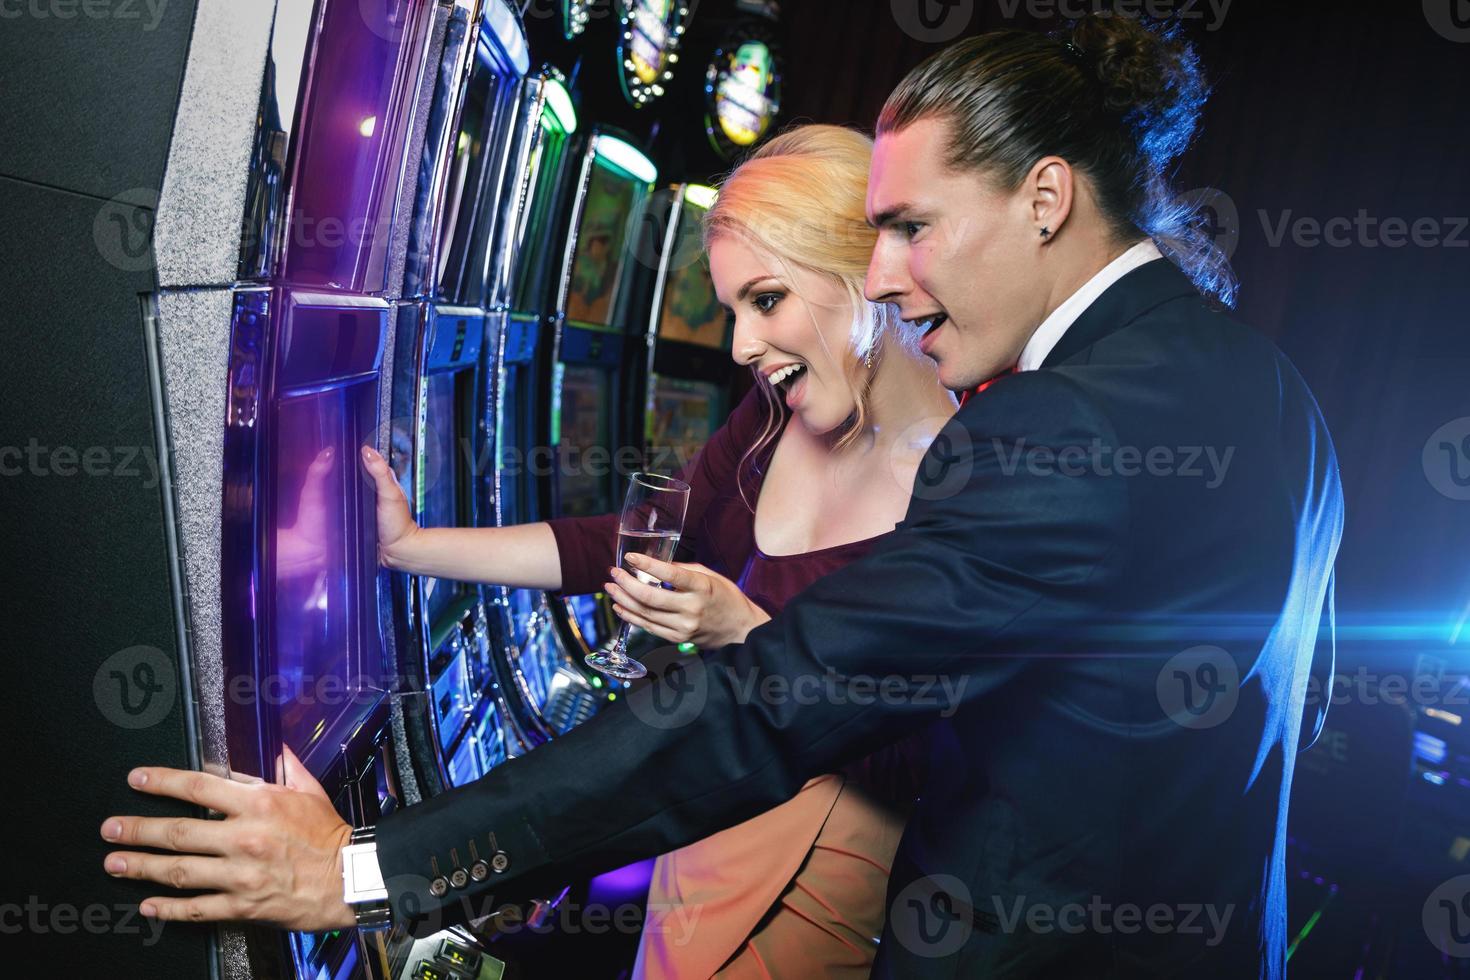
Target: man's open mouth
[935, 323]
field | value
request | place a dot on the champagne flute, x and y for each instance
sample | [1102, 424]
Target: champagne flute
[650, 524]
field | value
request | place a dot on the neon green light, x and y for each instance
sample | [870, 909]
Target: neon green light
[701, 195]
[559, 104]
[627, 158]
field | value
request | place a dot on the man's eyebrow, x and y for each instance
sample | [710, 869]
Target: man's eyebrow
[888, 216]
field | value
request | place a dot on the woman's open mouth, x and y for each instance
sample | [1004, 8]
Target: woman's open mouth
[790, 382]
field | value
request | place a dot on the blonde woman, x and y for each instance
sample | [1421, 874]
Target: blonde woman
[809, 472]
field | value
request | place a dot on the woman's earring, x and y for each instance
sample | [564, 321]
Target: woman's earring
[868, 357]
[1045, 231]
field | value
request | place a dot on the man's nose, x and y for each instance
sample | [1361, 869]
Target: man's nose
[886, 281]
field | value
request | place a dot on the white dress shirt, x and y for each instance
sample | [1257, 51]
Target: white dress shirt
[1053, 327]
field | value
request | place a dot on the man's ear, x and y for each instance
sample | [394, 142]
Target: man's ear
[1049, 190]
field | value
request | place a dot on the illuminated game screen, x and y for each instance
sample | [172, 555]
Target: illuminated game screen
[747, 95]
[684, 416]
[611, 196]
[692, 313]
[584, 408]
[438, 475]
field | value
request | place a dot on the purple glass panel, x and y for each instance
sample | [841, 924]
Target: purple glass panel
[327, 657]
[248, 731]
[321, 343]
[324, 598]
[353, 136]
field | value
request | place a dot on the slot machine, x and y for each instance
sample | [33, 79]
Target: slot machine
[596, 357]
[557, 690]
[691, 382]
[312, 127]
[455, 717]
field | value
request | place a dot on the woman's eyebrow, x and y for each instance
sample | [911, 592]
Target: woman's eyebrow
[745, 289]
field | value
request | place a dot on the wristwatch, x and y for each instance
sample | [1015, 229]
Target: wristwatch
[362, 881]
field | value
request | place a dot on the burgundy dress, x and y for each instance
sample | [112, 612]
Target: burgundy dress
[799, 890]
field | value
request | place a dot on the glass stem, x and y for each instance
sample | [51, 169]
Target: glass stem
[620, 647]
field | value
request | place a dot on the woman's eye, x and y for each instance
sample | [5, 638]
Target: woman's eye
[766, 302]
[911, 228]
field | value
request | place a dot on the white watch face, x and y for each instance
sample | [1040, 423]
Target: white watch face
[362, 878]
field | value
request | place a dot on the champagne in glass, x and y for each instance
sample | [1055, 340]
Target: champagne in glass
[658, 545]
[650, 524]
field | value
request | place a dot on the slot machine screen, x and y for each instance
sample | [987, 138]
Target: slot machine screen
[462, 189]
[744, 86]
[692, 313]
[438, 475]
[611, 197]
[684, 416]
[323, 600]
[584, 401]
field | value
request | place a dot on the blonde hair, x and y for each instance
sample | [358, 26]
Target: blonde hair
[802, 198]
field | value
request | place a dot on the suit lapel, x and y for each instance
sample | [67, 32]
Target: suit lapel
[1121, 303]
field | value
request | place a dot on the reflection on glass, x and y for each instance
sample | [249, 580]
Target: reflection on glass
[323, 600]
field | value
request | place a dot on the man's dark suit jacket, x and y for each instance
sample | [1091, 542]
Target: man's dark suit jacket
[1103, 605]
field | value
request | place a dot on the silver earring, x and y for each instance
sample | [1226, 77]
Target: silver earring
[868, 357]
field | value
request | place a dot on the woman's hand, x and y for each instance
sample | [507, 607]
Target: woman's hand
[395, 520]
[703, 607]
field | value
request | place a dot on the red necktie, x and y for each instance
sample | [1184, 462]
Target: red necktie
[969, 393]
